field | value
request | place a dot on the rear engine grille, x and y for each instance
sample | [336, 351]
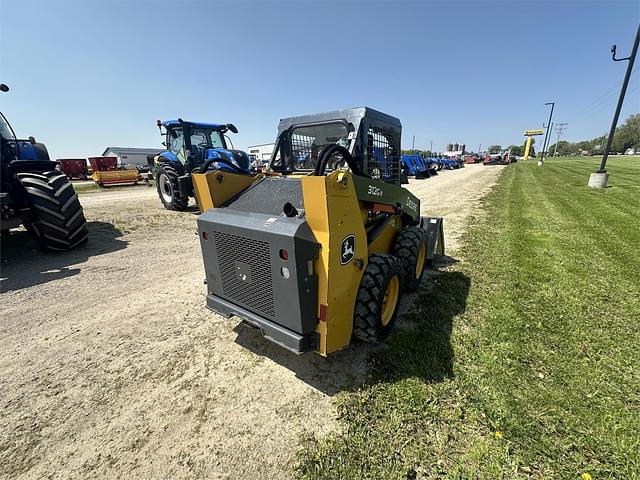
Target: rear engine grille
[236, 254]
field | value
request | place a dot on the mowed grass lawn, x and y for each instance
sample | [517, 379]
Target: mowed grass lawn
[523, 359]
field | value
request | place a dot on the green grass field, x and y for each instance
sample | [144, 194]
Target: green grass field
[523, 359]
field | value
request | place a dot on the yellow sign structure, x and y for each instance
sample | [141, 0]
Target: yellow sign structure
[530, 134]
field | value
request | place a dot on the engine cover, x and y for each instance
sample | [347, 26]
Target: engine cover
[259, 267]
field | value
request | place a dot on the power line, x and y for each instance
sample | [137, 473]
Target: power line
[605, 100]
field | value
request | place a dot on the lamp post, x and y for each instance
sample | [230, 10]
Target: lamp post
[600, 179]
[546, 135]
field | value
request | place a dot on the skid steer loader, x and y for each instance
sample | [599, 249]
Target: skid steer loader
[319, 248]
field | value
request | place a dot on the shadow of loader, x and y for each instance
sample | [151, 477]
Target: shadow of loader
[420, 346]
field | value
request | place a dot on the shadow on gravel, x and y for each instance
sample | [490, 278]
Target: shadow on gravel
[343, 370]
[419, 347]
[23, 265]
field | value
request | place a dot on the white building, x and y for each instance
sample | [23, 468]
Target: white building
[260, 153]
[130, 155]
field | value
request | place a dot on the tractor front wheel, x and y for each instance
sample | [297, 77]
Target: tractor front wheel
[56, 220]
[378, 299]
[167, 185]
[411, 249]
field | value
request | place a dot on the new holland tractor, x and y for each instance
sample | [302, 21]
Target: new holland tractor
[317, 249]
[35, 194]
[188, 146]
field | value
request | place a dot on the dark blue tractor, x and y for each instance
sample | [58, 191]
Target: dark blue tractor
[34, 193]
[192, 147]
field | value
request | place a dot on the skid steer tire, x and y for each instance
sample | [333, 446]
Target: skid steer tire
[411, 249]
[167, 186]
[56, 220]
[378, 299]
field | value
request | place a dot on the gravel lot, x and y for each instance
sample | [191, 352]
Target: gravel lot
[113, 368]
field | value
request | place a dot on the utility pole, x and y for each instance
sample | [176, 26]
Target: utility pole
[413, 145]
[546, 135]
[431, 146]
[600, 178]
[561, 127]
[479, 148]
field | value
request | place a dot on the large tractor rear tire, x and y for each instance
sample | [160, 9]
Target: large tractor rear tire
[411, 249]
[167, 186]
[378, 299]
[56, 220]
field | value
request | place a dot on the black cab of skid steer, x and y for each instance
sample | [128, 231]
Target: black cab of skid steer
[371, 137]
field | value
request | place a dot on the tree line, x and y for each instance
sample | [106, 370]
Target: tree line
[627, 136]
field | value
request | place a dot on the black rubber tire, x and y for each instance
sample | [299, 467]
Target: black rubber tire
[177, 202]
[56, 220]
[406, 248]
[367, 322]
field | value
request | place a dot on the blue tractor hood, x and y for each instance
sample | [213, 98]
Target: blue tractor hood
[234, 161]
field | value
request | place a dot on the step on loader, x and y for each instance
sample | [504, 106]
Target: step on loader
[319, 248]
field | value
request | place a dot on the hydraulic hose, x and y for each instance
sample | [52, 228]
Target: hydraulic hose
[330, 150]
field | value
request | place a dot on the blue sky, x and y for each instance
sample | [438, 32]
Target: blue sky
[86, 75]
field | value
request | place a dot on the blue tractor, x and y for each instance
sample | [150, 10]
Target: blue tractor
[192, 147]
[34, 193]
[418, 166]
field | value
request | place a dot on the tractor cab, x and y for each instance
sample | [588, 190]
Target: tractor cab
[188, 142]
[192, 147]
[371, 138]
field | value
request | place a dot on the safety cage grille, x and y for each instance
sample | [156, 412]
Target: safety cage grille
[240, 257]
[304, 151]
[383, 159]
[307, 142]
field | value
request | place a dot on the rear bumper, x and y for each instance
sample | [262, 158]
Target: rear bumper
[284, 337]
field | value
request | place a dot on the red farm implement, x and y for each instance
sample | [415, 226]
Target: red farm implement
[74, 168]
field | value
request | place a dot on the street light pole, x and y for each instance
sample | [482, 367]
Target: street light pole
[600, 178]
[546, 135]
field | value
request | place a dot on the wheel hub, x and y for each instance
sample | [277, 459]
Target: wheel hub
[166, 189]
[390, 300]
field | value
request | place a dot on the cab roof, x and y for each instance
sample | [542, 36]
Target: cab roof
[176, 123]
[351, 115]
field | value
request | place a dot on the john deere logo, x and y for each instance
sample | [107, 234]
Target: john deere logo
[347, 249]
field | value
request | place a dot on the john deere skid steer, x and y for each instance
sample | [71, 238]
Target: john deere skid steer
[319, 248]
